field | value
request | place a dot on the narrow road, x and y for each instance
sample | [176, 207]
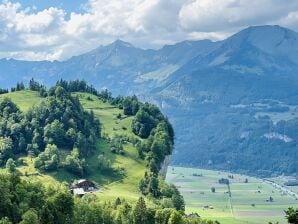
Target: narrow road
[281, 188]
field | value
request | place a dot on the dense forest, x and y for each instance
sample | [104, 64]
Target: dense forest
[58, 124]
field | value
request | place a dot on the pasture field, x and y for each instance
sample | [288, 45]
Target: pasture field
[248, 202]
[125, 186]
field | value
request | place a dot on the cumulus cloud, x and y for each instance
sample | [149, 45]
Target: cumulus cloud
[217, 15]
[53, 34]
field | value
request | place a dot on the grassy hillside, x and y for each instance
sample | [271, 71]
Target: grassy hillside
[235, 209]
[130, 169]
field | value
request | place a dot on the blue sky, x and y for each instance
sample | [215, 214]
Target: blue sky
[68, 5]
[57, 30]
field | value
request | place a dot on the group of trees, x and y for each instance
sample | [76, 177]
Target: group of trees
[117, 145]
[3, 91]
[77, 86]
[157, 143]
[30, 203]
[49, 159]
[58, 122]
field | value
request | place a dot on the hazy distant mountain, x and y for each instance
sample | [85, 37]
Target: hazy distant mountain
[234, 103]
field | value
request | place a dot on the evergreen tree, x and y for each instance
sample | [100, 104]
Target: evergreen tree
[140, 212]
[10, 165]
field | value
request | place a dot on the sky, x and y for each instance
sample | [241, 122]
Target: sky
[59, 29]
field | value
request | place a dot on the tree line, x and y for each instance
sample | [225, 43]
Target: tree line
[26, 202]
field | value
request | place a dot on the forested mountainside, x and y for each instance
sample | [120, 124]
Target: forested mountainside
[51, 138]
[232, 103]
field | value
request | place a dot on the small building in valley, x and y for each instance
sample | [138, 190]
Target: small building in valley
[193, 215]
[82, 187]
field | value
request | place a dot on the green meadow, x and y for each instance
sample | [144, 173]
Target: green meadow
[247, 203]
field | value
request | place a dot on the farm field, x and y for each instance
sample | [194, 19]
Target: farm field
[247, 203]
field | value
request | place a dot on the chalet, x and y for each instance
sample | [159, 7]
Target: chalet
[83, 187]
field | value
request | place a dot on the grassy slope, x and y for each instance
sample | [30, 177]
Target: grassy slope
[112, 185]
[24, 99]
[243, 195]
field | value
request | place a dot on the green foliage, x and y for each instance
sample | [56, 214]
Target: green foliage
[29, 203]
[130, 105]
[74, 164]
[58, 120]
[10, 165]
[292, 215]
[77, 86]
[3, 91]
[34, 85]
[49, 159]
[5, 220]
[175, 218]
[117, 145]
[30, 217]
[20, 86]
[54, 133]
[144, 122]
[103, 163]
[6, 147]
[140, 212]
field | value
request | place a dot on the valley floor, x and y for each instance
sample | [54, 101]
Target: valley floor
[248, 203]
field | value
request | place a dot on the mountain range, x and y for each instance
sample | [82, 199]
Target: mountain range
[233, 103]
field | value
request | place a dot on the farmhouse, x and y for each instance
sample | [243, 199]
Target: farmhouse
[82, 187]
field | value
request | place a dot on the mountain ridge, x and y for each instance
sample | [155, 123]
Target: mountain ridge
[197, 84]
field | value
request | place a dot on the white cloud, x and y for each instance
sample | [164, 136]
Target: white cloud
[52, 34]
[218, 15]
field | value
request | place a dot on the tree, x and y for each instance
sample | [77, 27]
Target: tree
[5, 220]
[60, 92]
[33, 85]
[292, 215]
[139, 212]
[213, 189]
[49, 159]
[103, 163]
[6, 147]
[11, 165]
[30, 217]
[153, 186]
[178, 200]
[175, 218]
[124, 214]
[74, 164]
[64, 205]
[54, 133]
[271, 199]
